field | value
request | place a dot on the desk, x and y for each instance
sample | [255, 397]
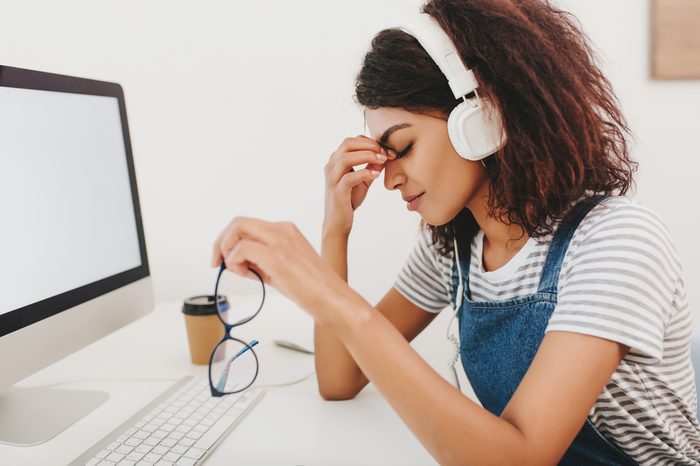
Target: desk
[292, 425]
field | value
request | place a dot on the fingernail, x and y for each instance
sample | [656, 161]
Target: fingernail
[375, 173]
[381, 157]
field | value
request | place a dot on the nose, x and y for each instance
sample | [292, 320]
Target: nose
[393, 175]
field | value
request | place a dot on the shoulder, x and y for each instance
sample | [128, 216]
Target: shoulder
[622, 227]
[618, 214]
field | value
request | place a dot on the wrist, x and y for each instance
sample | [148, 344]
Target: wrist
[351, 313]
[346, 312]
[334, 234]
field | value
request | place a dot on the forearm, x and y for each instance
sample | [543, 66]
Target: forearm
[337, 373]
[454, 429]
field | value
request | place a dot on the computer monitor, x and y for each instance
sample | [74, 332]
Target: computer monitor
[73, 263]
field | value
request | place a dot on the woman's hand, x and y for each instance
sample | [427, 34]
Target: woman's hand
[347, 188]
[283, 257]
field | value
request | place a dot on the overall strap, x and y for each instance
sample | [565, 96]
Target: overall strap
[560, 242]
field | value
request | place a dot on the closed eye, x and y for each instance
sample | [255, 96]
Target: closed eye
[405, 151]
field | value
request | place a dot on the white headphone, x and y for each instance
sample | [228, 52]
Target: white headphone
[475, 127]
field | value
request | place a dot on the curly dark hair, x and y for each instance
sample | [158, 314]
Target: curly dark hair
[566, 134]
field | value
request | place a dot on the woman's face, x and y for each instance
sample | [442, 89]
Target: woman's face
[431, 167]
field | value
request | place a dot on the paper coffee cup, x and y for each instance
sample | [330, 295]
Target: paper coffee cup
[204, 328]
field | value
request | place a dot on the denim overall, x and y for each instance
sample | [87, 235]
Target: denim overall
[499, 340]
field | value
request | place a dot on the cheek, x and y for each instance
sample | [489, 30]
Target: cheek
[454, 184]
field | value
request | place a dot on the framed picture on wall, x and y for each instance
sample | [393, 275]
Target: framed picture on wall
[675, 39]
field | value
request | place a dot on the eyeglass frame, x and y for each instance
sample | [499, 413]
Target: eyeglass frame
[227, 335]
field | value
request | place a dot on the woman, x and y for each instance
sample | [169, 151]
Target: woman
[573, 321]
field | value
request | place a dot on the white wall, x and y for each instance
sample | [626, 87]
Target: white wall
[234, 108]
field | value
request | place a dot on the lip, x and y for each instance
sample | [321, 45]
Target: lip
[414, 201]
[410, 198]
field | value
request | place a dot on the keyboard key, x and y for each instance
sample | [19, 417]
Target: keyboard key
[143, 449]
[152, 441]
[126, 463]
[185, 462]
[172, 457]
[124, 449]
[152, 457]
[194, 453]
[103, 453]
[133, 441]
[134, 456]
[168, 442]
[235, 412]
[201, 428]
[188, 442]
[160, 450]
[150, 428]
[179, 449]
[168, 427]
[115, 457]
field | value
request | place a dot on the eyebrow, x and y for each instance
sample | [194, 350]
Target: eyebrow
[391, 130]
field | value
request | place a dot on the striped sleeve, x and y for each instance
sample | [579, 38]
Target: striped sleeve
[619, 281]
[422, 279]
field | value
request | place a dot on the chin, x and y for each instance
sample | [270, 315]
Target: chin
[436, 221]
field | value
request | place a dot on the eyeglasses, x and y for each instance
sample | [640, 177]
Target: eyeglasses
[233, 365]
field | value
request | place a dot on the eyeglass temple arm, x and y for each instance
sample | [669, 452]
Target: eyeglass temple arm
[221, 383]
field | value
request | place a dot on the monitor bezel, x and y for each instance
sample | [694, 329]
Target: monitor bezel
[17, 319]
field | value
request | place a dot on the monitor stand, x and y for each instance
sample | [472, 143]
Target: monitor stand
[33, 415]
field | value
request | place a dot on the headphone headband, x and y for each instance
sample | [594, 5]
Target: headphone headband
[435, 41]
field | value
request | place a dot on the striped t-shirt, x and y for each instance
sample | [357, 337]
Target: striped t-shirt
[620, 280]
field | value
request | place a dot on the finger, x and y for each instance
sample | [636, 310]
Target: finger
[360, 142]
[246, 228]
[389, 152]
[345, 162]
[252, 276]
[377, 167]
[248, 253]
[215, 254]
[353, 179]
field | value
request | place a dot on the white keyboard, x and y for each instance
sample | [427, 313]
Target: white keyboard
[180, 427]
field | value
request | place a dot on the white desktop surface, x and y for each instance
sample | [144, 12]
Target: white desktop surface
[291, 425]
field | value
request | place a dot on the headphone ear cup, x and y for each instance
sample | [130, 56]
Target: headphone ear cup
[475, 129]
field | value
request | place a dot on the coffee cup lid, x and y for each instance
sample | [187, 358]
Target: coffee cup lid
[201, 305]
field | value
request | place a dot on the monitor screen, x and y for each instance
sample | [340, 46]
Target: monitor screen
[67, 202]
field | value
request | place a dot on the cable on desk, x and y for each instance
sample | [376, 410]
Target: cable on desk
[286, 383]
[144, 379]
[102, 379]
